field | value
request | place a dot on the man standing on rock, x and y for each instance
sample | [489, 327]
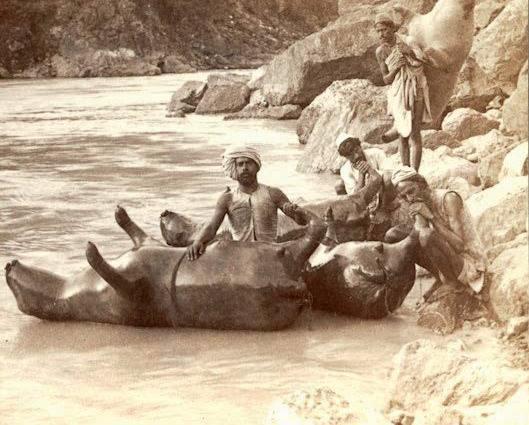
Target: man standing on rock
[401, 63]
[450, 246]
[251, 208]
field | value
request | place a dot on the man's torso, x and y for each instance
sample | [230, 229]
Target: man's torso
[253, 217]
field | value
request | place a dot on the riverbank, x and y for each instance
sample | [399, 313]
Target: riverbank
[95, 38]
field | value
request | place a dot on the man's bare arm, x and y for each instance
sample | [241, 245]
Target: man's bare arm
[454, 207]
[208, 232]
[387, 75]
[289, 209]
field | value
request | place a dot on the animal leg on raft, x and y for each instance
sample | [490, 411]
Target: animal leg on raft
[136, 291]
[137, 235]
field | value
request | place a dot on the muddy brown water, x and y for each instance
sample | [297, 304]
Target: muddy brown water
[70, 150]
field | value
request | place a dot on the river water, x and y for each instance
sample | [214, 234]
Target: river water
[70, 150]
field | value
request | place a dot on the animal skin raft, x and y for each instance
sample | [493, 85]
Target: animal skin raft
[233, 285]
[362, 279]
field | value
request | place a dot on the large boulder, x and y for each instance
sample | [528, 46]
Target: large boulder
[345, 49]
[498, 53]
[186, 98]
[432, 139]
[321, 406]
[490, 166]
[442, 384]
[486, 11]
[260, 111]
[477, 147]
[515, 107]
[465, 122]
[442, 170]
[355, 106]
[224, 94]
[515, 162]
[509, 287]
[500, 212]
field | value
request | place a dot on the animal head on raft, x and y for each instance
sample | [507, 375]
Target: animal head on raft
[371, 260]
[177, 230]
[352, 228]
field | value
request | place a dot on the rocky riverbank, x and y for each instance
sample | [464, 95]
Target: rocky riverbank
[102, 38]
[480, 374]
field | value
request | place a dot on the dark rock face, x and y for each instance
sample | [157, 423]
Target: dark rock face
[170, 35]
[345, 49]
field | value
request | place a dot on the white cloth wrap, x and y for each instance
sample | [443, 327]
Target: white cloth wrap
[231, 153]
[401, 174]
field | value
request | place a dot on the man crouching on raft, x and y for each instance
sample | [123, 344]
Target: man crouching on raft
[251, 207]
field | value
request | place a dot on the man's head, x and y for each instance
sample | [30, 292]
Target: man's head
[410, 185]
[385, 28]
[350, 147]
[242, 163]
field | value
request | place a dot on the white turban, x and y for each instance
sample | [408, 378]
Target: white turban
[343, 137]
[231, 153]
[401, 174]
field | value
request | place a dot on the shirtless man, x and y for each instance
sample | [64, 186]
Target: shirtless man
[251, 208]
[451, 248]
[401, 64]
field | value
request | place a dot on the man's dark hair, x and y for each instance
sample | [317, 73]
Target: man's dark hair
[354, 140]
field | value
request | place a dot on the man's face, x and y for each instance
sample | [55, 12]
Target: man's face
[246, 170]
[352, 151]
[386, 32]
[413, 191]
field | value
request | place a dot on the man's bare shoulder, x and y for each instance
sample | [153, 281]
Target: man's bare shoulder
[382, 52]
[225, 198]
[453, 203]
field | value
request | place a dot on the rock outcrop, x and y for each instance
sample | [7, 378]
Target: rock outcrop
[345, 49]
[321, 406]
[509, 288]
[516, 162]
[500, 212]
[186, 98]
[173, 36]
[260, 111]
[444, 383]
[355, 106]
[224, 94]
[515, 107]
[498, 53]
[442, 169]
[464, 123]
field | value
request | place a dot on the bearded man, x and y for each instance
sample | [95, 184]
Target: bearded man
[251, 207]
[450, 246]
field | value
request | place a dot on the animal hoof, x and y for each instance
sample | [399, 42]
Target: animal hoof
[10, 265]
[122, 218]
[92, 253]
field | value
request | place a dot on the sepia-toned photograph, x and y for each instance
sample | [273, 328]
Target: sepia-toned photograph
[269, 212]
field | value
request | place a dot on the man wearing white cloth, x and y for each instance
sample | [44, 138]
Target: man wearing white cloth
[401, 63]
[251, 208]
[450, 246]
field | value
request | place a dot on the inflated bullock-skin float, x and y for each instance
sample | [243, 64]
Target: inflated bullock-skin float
[362, 279]
[233, 285]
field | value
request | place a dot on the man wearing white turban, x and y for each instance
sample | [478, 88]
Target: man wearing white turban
[251, 208]
[451, 248]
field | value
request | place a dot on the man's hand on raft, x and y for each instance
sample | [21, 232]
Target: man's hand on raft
[195, 250]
